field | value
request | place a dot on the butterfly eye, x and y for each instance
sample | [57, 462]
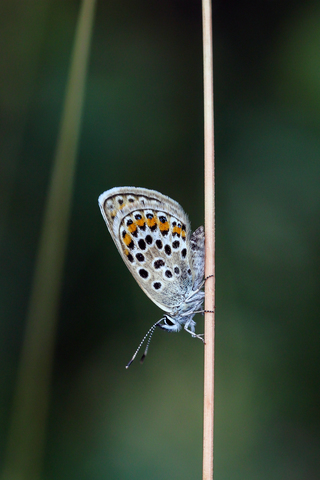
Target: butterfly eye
[168, 322]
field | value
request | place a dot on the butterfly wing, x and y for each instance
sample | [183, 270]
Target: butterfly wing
[197, 252]
[152, 234]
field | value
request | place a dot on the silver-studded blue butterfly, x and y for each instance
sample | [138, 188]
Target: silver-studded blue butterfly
[153, 235]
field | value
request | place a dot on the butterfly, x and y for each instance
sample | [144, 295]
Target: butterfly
[153, 236]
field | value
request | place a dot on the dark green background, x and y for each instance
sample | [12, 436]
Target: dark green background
[143, 126]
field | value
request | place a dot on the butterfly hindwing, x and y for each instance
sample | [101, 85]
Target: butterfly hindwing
[153, 238]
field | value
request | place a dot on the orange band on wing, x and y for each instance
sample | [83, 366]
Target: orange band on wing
[141, 222]
[151, 222]
[127, 239]
[164, 226]
[176, 230]
[132, 228]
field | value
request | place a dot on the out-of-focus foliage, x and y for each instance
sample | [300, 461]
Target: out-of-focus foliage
[143, 126]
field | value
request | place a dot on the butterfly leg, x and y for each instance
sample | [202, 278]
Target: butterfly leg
[203, 311]
[190, 323]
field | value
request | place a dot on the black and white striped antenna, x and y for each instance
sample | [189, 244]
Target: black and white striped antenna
[148, 334]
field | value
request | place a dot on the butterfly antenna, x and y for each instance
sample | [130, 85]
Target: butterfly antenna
[148, 334]
[152, 329]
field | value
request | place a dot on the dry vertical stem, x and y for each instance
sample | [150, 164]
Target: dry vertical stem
[208, 424]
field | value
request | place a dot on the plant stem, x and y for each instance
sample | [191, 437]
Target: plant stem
[208, 414]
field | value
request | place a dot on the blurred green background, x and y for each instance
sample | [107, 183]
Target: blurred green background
[143, 126]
